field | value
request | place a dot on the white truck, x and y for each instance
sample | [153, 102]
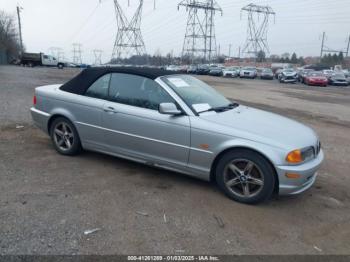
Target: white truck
[40, 59]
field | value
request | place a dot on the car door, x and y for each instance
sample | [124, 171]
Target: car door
[134, 127]
[88, 110]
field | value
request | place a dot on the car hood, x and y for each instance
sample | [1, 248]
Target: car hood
[289, 73]
[264, 127]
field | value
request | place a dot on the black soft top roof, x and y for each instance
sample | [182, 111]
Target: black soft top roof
[80, 83]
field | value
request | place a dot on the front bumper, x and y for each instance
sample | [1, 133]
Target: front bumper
[40, 118]
[307, 172]
[316, 82]
[289, 80]
[339, 83]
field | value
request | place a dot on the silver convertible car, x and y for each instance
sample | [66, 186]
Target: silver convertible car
[179, 123]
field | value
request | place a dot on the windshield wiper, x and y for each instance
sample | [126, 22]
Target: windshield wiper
[221, 108]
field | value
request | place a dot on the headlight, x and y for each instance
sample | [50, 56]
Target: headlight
[300, 155]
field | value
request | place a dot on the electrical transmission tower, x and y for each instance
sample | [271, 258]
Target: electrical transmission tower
[77, 54]
[54, 51]
[98, 57]
[129, 39]
[325, 49]
[258, 22]
[200, 40]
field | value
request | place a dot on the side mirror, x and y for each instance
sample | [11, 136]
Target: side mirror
[169, 109]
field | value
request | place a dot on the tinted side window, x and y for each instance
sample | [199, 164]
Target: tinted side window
[137, 91]
[99, 89]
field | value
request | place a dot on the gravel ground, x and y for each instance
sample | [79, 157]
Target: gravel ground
[47, 201]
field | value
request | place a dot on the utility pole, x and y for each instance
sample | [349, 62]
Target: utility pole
[200, 41]
[322, 46]
[229, 50]
[20, 26]
[347, 49]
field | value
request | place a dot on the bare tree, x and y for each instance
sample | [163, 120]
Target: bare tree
[9, 36]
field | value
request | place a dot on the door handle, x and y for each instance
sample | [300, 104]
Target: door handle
[110, 110]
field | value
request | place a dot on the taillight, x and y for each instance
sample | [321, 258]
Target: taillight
[34, 100]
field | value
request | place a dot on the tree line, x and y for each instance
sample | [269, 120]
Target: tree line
[9, 42]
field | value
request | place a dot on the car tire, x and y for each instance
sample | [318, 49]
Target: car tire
[259, 176]
[65, 137]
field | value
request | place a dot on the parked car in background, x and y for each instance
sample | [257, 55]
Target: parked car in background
[183, 69]
[288, 76]
[316, 79]
[192, 69]
[177, 122]
[40, 59]
[215, 71]
[231, 71]
[338, 79]
[278, 72]
[328, 73]
[248, 72]
[202, 70]
[266, 73]
[303, 73]
[173, 68]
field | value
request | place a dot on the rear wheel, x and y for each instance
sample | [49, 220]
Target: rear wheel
[65, 137]
[245, 176]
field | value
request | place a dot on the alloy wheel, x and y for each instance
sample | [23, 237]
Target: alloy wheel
[243, 178]
[63, 136]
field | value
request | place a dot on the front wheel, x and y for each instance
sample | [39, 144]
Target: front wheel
[245, 176]
[65, 137]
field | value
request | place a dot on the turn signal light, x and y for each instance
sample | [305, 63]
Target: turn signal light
[292, 176]
[34, 100]
[295, 157]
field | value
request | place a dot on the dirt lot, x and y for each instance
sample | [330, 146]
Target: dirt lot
[47, 201]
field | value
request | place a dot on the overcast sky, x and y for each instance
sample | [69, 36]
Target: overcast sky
[59, 23]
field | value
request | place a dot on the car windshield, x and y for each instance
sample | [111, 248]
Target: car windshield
[315, 74]
[267, 70]
[289, 70]
[195, 93]
[249, 69]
